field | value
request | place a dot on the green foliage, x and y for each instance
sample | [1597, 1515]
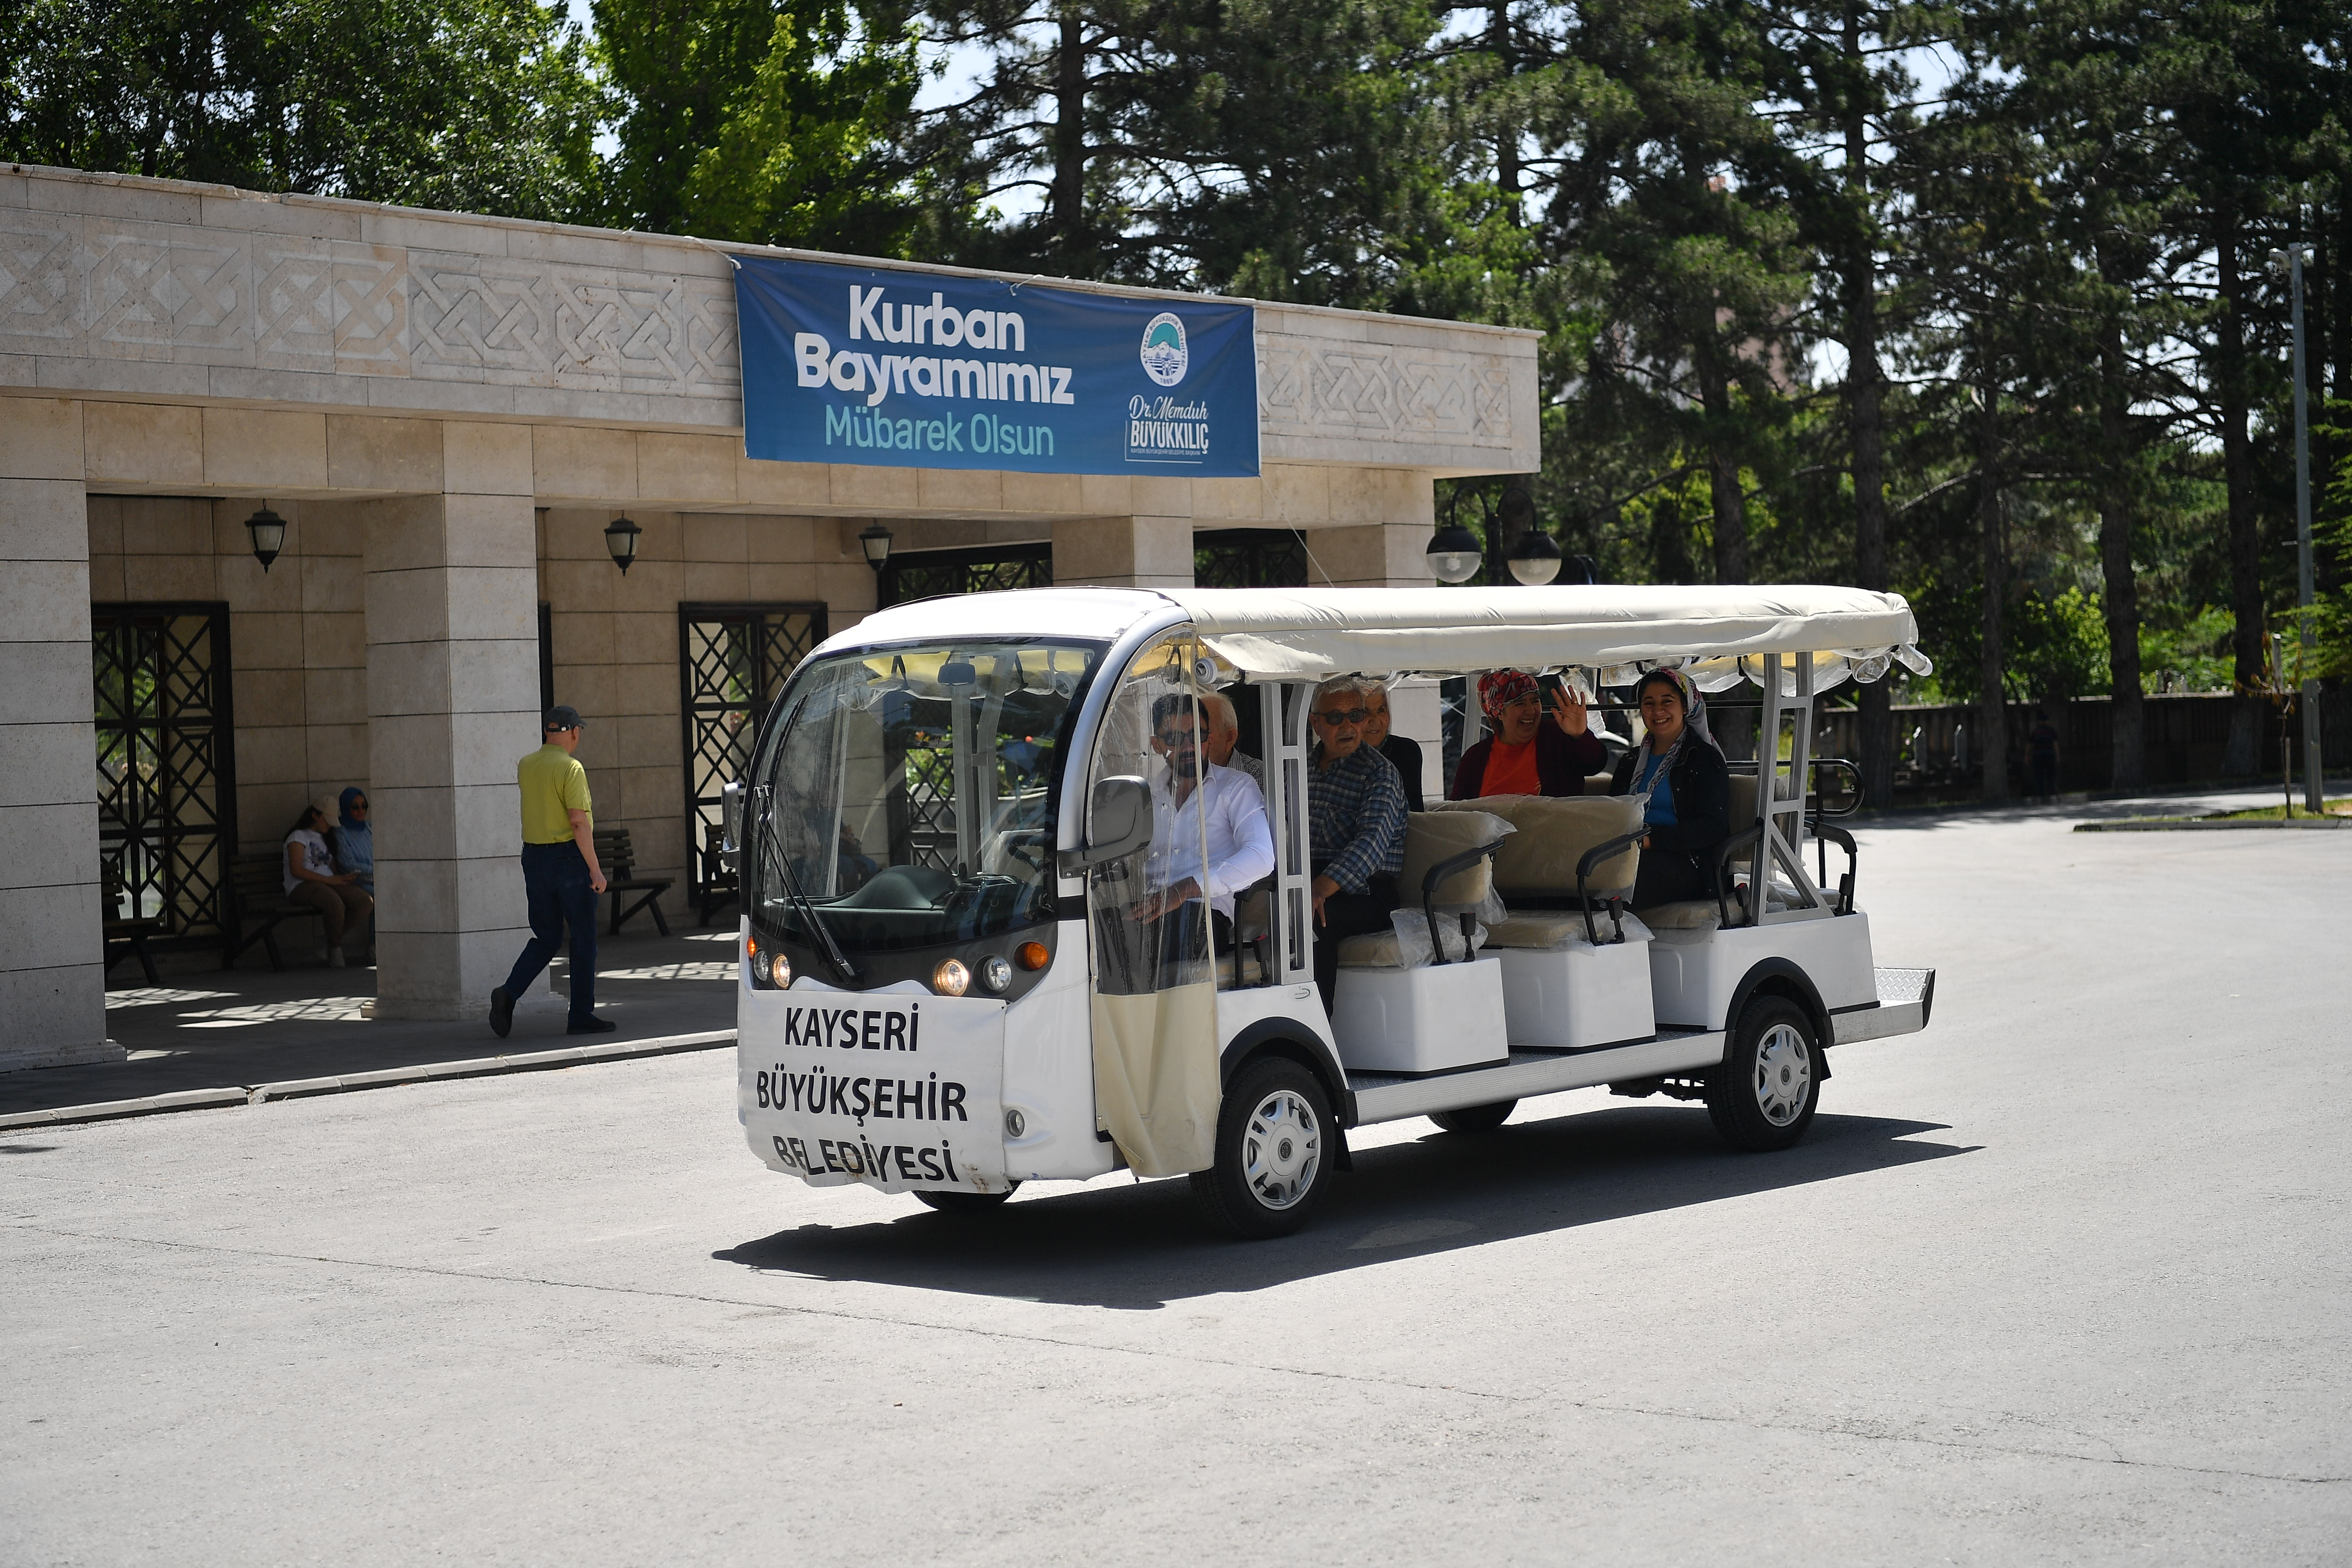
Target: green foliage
[758, 120]
[1718, 213]
[2194, 658]
[474, 105]
[2330, 615]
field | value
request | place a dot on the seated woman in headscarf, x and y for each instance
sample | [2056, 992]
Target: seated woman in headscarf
[1524, 755]
[352, 842]
[1679, 773]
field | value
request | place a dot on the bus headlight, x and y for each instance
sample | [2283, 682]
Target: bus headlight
[995, 973]
[768, 968]
[951, 978]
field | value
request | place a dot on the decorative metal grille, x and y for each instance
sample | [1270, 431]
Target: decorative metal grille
[928, 573]
[166, 762]
[926, 835]
[1249, 558]
[732, 661]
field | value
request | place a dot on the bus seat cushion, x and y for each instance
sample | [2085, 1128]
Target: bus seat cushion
[1431, 836]
[1373, 950]
[1553, 835]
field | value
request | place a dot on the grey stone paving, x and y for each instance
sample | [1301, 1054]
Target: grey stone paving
[2062, 1279]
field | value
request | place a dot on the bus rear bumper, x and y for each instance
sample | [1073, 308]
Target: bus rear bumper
[1906, 998]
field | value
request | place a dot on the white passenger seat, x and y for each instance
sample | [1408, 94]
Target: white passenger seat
[1563, 989]
[1439, 1015]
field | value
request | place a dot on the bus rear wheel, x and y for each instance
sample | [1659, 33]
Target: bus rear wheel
[1274, 1144]
[1763, 1096]
[1475, 1118]
[967, 1203]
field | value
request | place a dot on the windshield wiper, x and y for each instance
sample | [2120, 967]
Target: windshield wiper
[815, 922]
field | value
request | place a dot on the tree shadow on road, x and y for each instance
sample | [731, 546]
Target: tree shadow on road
[1141, 1247]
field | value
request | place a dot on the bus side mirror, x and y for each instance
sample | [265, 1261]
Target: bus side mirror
[731, 823]
[1119, 820]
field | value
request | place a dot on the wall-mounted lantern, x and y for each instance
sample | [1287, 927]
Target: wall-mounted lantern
[874, 540]
[269, 531]
[621, 539]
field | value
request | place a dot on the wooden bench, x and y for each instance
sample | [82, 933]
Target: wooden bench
[257, 897]
[619, 862]
[716, 888]
[123, 934]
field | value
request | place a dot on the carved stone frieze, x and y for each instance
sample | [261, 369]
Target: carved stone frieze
[1316, 388]
[337, 302]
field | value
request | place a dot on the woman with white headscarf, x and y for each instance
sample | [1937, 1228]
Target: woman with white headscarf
[1685, 789]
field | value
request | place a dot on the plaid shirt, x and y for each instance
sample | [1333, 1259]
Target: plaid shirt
[1355, 815]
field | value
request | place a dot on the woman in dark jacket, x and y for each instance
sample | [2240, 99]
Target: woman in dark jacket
[1679, 770]
[1522, 754]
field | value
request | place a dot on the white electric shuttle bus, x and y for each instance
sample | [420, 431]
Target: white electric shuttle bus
[956, 974]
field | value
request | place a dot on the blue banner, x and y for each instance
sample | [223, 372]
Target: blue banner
[913, 370]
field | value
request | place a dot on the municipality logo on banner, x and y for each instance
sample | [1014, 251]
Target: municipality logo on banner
[849, 364]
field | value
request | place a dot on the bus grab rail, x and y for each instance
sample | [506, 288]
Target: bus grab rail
[1585, 866]
[1814, 794]
[1430, 882]
[1824, 834]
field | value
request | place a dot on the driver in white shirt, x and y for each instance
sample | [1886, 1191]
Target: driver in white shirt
[1240, 845]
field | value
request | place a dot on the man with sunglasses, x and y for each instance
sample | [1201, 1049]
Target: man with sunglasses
[1356, 820]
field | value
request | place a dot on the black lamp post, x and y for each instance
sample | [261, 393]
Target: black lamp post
[1455, 553]
[874, 540]
[1535, 559]
[269, 531]
[621, 539]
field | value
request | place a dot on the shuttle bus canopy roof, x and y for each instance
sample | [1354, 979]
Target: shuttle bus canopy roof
[1306, 633]
[1302, 632]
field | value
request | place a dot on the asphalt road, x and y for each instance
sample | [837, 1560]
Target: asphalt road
[2062, 1279]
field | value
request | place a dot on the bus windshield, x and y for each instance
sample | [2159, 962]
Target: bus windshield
[910, 793]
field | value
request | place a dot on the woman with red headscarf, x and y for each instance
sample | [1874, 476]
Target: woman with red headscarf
[1523, 754]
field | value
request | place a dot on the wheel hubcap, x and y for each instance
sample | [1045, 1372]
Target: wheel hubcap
[1784, 1075]
[1281, 1149]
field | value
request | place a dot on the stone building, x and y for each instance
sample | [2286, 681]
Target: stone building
[449, 412]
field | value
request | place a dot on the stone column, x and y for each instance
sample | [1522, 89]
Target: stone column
[453, 701]
[52, 983]
[1123, 551]
[1373, 555]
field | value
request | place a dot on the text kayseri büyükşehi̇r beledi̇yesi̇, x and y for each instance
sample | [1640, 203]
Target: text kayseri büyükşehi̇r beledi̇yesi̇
[819, 1092]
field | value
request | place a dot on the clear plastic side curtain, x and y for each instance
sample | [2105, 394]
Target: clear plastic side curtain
[1155, 997]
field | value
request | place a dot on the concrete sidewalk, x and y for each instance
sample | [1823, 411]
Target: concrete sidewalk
[196, 1036]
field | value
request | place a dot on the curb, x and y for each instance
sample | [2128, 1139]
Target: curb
[387, 1078]
[2207, 824]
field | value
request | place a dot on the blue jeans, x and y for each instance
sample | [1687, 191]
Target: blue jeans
[557, 880]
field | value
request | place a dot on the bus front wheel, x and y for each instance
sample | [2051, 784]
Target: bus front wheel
[1763, 1096]
[967, 1203]
[1274, 1145]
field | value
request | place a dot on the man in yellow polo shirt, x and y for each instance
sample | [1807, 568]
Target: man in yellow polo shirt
[560, 873]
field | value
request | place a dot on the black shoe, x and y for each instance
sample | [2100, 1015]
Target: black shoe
[501, 1012]
[591, 1025]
